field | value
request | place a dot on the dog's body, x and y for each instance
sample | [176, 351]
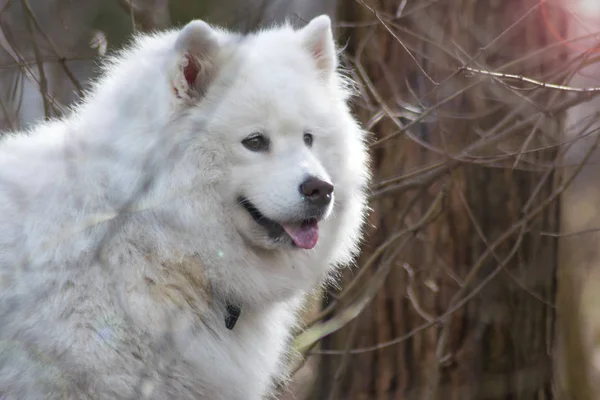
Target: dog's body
[205, 173]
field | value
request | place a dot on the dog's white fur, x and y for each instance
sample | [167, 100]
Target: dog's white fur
[121, 236]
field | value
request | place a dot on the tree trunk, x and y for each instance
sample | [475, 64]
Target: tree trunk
[577, 370]
[468, 289]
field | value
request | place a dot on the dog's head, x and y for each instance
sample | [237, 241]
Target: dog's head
[275, 107]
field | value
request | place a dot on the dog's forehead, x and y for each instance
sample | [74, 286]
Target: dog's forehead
[278, 90]
[271, 81]
[276, 51]
[285, 104]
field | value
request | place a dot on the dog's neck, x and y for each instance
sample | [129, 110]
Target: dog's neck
[192, 271]
[232, 313]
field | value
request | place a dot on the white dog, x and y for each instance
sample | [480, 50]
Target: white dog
[158, 242]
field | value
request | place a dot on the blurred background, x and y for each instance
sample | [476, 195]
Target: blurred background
[480, 274]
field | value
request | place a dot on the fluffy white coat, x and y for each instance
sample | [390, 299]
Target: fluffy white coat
[122, 238]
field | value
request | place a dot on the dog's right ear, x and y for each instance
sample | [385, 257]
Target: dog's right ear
[195, 47]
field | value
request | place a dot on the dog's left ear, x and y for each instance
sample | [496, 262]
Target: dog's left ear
[195, 47]
[317, 37]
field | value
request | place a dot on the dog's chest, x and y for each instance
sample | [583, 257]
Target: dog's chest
[249, 357]
[209, 361]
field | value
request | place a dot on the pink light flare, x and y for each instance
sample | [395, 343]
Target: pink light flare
[581, 19]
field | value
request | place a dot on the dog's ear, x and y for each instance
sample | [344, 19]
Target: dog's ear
[195, 47]
[317, 37]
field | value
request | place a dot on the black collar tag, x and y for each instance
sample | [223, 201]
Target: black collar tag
[232, 315]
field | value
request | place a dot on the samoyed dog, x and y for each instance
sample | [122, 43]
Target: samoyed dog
[158, 242]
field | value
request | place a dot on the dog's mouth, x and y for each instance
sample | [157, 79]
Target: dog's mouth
[304, 234]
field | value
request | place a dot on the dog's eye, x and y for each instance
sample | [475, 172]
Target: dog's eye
[308, 139]
[256, 142]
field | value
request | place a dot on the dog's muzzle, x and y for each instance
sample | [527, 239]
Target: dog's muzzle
[317, 193]
[317, 196]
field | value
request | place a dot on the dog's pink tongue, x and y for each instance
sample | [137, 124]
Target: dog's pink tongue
[304, 235]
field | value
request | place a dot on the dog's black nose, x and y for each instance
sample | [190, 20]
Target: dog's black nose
[316, 191]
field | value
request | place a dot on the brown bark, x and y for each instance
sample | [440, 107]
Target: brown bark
[577, 370]
[498, 345]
